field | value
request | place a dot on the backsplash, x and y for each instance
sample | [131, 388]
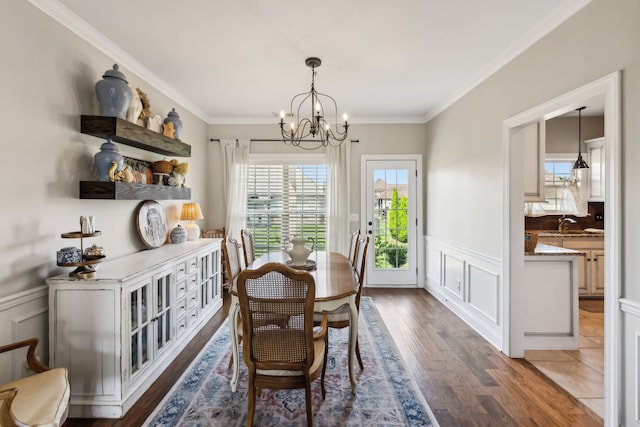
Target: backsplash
[595, 219]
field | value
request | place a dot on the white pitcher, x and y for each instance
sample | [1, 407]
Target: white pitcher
[298, 251]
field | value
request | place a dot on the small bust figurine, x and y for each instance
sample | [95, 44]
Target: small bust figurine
[168, 129]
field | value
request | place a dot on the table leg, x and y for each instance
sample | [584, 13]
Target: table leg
[353, 338]
[233, 331]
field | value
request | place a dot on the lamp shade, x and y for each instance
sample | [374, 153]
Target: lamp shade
[191, 211]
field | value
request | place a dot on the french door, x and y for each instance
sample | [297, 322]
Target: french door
[391, 221]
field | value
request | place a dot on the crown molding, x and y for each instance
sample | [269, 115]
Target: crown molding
[560, 14]
[74, 23]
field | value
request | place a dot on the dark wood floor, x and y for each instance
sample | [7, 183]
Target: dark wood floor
[465, 380]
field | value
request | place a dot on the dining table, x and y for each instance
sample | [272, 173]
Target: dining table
[336, 286]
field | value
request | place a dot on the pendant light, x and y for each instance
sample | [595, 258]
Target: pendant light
[580, 163]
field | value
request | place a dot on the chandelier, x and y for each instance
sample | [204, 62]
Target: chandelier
[314, 128]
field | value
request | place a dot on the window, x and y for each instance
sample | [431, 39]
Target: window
[286, 197]
[557, 174]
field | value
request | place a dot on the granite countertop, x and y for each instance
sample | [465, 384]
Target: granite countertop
[542, 249]
[587, 232]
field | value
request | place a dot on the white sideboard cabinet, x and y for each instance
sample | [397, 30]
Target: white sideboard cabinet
[117, 332]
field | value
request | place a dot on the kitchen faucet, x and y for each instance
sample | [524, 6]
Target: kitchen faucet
[563, 223]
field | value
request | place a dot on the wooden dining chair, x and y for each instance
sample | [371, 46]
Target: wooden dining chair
[248, 246]
[339, 318]
[231, 255]
[287, 356]
[218, 233]
[41, 399]
[353, 247]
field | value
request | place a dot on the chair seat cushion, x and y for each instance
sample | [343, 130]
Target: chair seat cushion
[318, 348]
[42, 399]
[340, 314]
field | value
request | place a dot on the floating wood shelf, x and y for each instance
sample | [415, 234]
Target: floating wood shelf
[131, 134]
[131, 191]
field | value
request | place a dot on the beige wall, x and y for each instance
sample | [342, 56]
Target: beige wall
[464, 154]
[562, 133]
[48, 78]
[373, 139]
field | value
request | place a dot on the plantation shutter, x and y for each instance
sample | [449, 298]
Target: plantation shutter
[284, 201]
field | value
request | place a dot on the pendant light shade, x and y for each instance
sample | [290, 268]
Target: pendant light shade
[580, 163]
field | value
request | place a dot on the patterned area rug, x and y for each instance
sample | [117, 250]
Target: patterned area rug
[386, 395]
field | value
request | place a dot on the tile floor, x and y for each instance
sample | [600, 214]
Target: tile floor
[580, 372]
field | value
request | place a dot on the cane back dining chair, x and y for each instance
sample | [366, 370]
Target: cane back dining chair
[248, 246]
[284, 356]
[339, 318]
[231, 254]
[41, 399]
[353, 247]
[218, 233]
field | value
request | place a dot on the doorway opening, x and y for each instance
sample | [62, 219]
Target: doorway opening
[607, 89]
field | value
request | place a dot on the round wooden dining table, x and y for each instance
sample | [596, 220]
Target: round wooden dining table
[336, 285]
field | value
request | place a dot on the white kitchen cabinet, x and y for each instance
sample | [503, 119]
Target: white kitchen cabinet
[117, 332]
[590, 265]
[533, 142]
[596, 151]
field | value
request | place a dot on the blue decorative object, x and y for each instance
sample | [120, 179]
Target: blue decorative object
[178, 234]
[174, 118]
[69, 255]
[104, 158]
[114, 93]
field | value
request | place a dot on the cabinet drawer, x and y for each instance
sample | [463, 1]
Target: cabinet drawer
[193, 315]
[192, 283]
[181, 326]
[181, 270]
[181, 289]
[583, 244]
[192, 299]
[181, 308]
[192, 264]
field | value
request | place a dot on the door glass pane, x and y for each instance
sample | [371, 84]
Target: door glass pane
[391, 215]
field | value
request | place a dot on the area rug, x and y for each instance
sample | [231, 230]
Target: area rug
[386, 394]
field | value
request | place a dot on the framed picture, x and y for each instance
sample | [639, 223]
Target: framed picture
[151, 222]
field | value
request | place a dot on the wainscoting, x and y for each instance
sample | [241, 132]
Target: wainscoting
[631, 389]
[469, 283]
[27, 315]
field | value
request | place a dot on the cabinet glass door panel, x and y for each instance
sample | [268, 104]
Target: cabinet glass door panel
[163, 309]
[140, 327]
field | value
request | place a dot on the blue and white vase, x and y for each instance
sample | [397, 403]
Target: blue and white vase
[174, 118]
[104, 158]
[178, 234]
[114, 93]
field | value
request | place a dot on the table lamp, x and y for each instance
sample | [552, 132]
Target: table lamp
[191, 212]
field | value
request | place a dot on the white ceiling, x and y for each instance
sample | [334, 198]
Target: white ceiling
[241, 61]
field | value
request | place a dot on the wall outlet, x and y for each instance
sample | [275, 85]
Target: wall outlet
[599, 217]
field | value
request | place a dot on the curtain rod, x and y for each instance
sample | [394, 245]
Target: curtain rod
[279, 140]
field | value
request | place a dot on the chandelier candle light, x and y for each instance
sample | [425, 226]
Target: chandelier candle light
[191, 212]
[315, 127]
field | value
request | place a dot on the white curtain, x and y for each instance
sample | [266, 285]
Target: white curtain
[338, 197]
[235, 161]
[574, 201]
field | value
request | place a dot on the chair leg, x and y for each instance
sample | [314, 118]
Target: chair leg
[358, 356]
[308, 399]
[252, 403]
[324, 365]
